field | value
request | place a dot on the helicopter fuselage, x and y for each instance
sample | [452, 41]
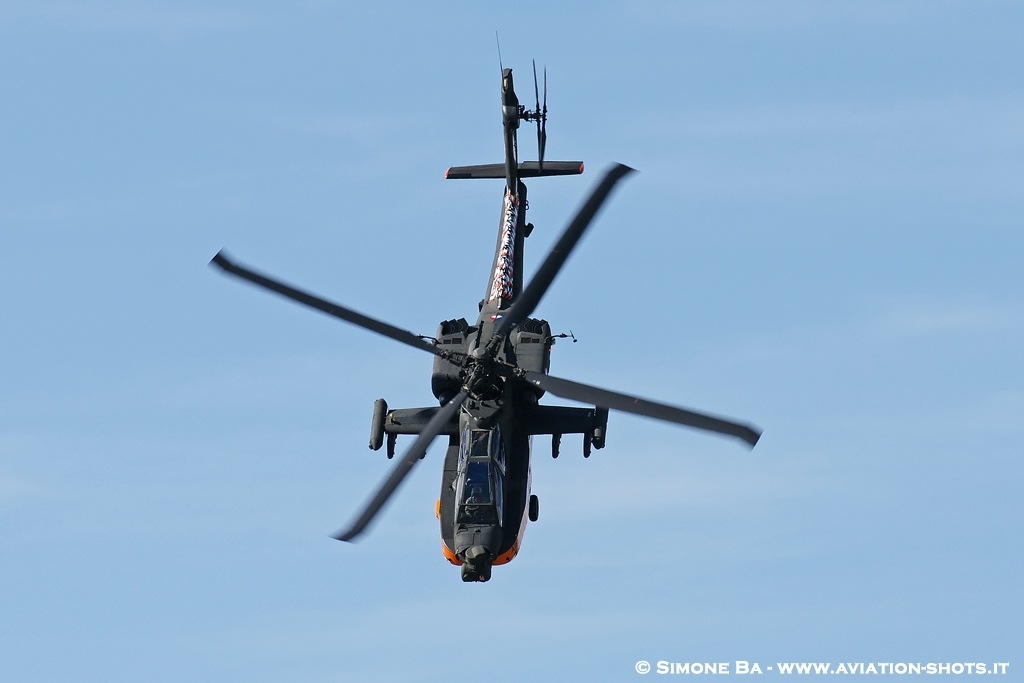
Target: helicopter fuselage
[485, 497]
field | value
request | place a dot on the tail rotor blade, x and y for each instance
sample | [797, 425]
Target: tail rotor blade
[402, 468]
[532, 294]
[330, 308]
[545, 110]
[585, 393]
[541, 135]
[536, 92]
[544, 120]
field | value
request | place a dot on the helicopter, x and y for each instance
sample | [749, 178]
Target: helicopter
[489, 377]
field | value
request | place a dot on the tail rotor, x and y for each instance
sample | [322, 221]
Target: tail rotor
[540, 115]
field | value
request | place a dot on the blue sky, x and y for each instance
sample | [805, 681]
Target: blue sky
[824, 239]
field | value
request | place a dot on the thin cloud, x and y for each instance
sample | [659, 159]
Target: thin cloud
[761, 17]
[14, 488]
[658, 485]
[889, 321]
[953, 145]
[986, 117]
[165, 19]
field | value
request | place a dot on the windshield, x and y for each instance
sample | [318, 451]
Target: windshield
[478, 491]
[477, 487]
[478, 443]
[477, 504]
[482, 443]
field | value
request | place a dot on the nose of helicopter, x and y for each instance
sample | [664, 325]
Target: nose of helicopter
[477, 565]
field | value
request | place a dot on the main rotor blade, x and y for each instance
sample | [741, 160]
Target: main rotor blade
[531, 295]
[632, 404]
[403, 467]
[328, 307]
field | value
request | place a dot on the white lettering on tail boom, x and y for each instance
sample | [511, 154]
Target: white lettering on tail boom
[501, 282]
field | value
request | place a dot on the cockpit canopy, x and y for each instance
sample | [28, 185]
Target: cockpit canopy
[480, 481]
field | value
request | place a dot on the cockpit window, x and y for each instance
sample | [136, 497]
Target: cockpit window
[479, 443]
[481, 474]
[477, 488]
[477, 504]
[498, 449]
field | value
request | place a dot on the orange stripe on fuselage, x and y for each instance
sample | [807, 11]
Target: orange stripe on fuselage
[510, 554]
[449, 555]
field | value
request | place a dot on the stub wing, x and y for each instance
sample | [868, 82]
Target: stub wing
[527, 169]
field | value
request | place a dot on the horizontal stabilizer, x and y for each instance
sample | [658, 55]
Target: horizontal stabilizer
[527, 169]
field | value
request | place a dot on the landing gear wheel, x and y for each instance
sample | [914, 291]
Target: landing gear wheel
[534, 508]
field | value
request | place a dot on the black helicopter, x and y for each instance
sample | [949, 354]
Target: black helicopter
[489, 376]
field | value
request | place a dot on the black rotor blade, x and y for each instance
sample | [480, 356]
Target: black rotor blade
[532, 294]
[403, 467]
[632, 404]
[536, 92]
[545, 110]
[540, 115]
[330, 308]
[544, 119]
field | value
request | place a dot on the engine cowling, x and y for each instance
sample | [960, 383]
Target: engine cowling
[445, 380]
